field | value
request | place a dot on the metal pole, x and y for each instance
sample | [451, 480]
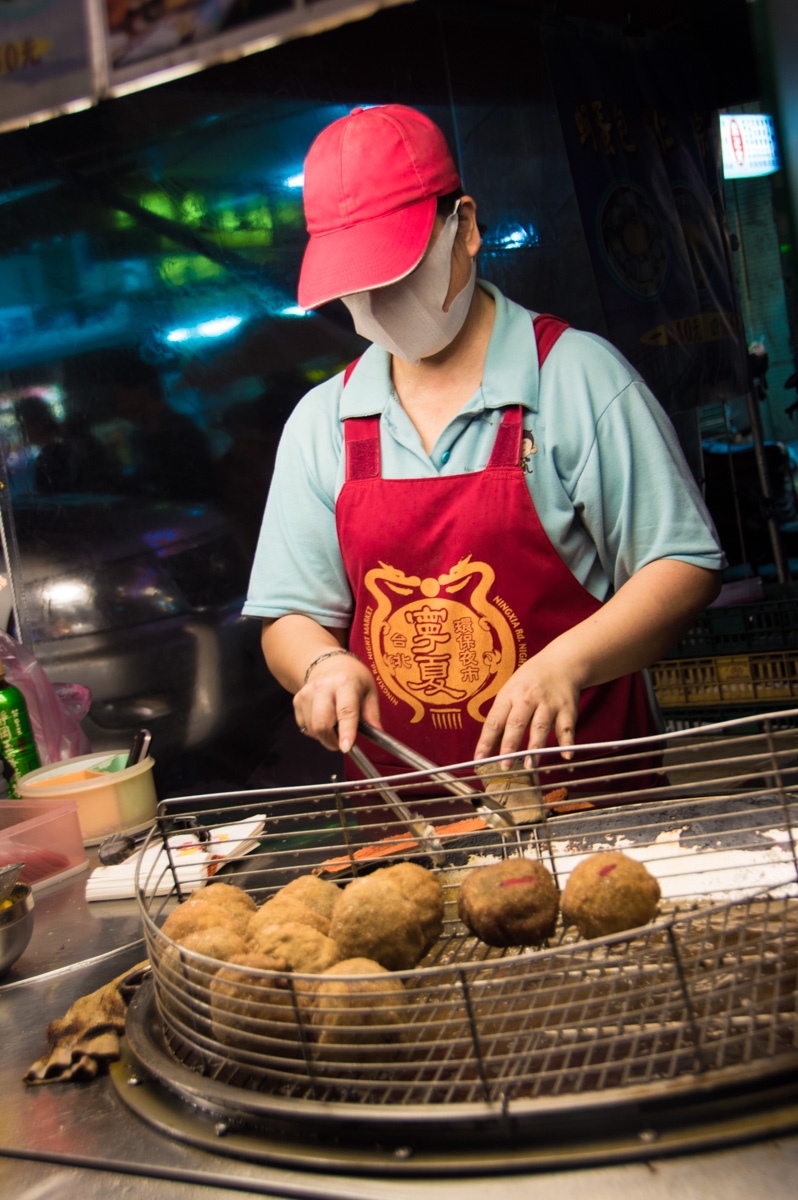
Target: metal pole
[754, 416]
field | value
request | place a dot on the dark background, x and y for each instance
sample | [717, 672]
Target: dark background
[170, 206]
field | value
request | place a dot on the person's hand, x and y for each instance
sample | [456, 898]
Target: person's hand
[545, 692]
[338, 692]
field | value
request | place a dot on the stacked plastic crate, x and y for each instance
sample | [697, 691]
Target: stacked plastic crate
[732, 662]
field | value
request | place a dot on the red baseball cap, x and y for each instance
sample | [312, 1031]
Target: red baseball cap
[371, 183]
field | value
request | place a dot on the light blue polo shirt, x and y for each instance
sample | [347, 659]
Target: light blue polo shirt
[607, 476]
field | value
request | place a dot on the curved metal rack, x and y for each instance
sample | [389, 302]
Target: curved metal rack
[702, 998]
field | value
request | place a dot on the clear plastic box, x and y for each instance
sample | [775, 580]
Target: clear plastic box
[44, 836]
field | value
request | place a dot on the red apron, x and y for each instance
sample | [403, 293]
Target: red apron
[456, 584]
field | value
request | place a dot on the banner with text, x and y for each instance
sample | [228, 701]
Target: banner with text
[645, 161]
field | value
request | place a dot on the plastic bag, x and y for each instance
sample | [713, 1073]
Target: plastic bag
[55, 709]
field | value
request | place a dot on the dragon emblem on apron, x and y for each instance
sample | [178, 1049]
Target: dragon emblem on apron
[444, 645]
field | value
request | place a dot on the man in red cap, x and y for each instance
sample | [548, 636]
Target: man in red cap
[480, 533]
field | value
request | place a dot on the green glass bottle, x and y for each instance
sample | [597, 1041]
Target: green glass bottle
[17, 743]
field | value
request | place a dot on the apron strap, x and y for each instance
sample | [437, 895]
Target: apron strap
[362, 438]
[547, 331]
[507, 447]
[506, 450]
[348, 371]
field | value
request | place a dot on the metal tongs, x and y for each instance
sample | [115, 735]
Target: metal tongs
[492, 812]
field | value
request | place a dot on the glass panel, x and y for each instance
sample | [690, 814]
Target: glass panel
[152, 352]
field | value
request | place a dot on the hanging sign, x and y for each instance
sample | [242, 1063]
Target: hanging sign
[60, 55]
[45, 59]
[749, 146]
[170, 37]
[645, 162]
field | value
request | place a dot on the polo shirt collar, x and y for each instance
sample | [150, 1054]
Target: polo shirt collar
[511, 366]
[511, 372]
[368, 389]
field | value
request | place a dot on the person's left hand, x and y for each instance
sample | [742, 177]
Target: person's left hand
[545, 692]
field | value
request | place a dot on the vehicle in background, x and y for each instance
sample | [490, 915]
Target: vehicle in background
[140, 601]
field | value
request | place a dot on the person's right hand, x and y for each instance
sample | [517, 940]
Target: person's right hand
[339, 691]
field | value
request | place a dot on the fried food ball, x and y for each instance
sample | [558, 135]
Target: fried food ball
[281, 909]
[192, 917]
[353, 1018]
[422, 888]
[303, 948]
[511, 903]
[217, 943]
[185, 978]
[609, 892]
[320, 895]
[225, 895]
[372, 919]
[250, 1011]
[233, 900]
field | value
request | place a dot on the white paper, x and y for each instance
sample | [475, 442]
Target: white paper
[195, 862]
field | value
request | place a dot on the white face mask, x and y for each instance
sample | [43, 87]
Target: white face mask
[406, 318]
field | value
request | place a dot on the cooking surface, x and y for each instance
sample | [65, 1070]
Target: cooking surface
[52, 1134]
[747, 1174]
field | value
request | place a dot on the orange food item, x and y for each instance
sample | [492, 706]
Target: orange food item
[72, 777]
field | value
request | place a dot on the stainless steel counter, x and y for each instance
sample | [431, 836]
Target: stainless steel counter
[78, 1140]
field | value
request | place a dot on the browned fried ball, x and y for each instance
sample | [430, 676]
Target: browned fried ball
[184, 977]
[608, 893]
[192, 917]
[511, 903]
[353, 1019]
[374, 920]
[320, 895]
[232, 900]
[422, 888]
[303, 948]
[254, 1012]
[226, 895]
[282, 908]
[217, 942]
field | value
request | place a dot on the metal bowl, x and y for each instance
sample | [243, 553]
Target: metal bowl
[16, 925]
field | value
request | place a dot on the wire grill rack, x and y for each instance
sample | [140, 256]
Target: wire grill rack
[704, 992]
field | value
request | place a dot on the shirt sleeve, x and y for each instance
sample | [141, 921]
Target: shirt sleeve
[297, 566]
[636, 494]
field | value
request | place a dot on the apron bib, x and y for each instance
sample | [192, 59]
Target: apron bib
[456, 585]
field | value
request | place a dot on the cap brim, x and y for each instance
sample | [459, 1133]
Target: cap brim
[368, 255]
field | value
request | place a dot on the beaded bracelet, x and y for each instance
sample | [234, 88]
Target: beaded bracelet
[327, 654]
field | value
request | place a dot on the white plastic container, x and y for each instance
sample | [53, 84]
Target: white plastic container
[112, 802]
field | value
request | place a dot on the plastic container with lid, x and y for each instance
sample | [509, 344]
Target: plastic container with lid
[107, 802]
[45, 836]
